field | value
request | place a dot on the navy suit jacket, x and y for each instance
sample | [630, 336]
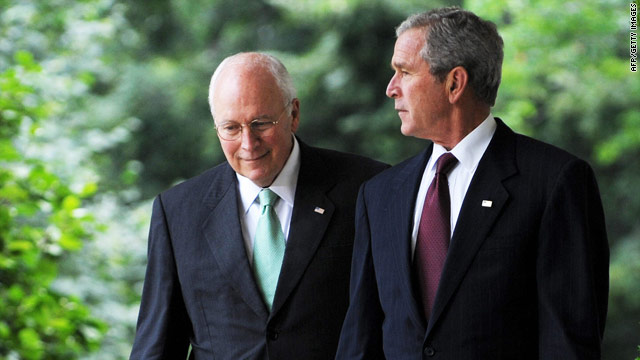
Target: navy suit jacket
[199, 287]
[524, 278]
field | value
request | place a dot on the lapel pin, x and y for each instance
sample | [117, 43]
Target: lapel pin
[319, 210]
[487, 203]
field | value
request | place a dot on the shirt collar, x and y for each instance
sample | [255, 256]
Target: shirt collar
[284, 184]
[472, 147]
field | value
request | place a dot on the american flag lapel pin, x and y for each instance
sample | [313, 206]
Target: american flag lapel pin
[487, 203]
[319, 210]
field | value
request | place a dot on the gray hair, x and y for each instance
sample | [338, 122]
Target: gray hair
[269, 62]
[456, 37]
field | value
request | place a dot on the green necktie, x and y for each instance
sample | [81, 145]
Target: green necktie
[268, 247]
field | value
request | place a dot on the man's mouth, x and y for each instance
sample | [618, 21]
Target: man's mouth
[257, 157]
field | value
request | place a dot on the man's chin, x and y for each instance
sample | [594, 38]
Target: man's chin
[406, 130]
[258, 177]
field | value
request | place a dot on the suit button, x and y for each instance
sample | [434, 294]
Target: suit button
[272, 335]
[429, 351]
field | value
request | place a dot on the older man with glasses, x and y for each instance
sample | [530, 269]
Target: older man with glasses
[251, 259]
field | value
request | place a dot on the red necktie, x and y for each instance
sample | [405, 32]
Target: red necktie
[434, 233]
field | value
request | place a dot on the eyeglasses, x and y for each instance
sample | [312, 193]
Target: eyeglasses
[231, 130]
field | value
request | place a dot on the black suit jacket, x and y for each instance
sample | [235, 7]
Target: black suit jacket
[200, 289]
[524, 278]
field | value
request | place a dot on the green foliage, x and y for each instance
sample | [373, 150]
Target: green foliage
[47, 184]
[41, 221]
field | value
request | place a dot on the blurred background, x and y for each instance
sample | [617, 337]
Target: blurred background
[103, 105]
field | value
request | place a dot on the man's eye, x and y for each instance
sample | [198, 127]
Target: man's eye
[261, 125]
[231, 127]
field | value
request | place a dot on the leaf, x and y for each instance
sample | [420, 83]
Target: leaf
[89, 189]
[26, 59]
[8, 152]
[71, 202]
[20, 245]
[70, 242]
[15, 293]
[30, 340]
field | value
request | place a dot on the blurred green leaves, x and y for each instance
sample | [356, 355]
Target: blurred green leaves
[39, 225]
[43, 210]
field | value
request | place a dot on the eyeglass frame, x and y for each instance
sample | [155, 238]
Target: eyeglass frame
[250, 123]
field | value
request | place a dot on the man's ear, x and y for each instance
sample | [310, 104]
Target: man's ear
[295, 115]
[456, 83]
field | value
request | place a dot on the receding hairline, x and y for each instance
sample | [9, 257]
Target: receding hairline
[248, 61]
[242, 62]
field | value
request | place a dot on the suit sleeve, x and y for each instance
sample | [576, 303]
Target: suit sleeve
[572, 268]
[361, 336]
[163, 325]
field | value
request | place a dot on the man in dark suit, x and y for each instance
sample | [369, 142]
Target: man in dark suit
[236, 275]
[488, 244]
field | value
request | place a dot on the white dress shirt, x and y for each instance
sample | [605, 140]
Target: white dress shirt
[284, 186]
[469, 151]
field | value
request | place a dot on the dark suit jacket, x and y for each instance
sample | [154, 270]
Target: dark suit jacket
[200, 289]
[526, 278]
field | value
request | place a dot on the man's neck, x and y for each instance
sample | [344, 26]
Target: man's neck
[463, 121]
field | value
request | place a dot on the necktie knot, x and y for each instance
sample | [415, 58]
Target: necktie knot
[267, 198]
[445, 163]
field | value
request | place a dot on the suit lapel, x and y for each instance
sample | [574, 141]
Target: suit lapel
[405, 189]
[475, 220]
[308, 226]
[222, 230]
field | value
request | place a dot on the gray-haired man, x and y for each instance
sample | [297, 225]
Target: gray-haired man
[488, 244]
[250, 260]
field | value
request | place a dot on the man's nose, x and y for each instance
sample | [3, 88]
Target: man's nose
[393, 91]
[248, 138]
